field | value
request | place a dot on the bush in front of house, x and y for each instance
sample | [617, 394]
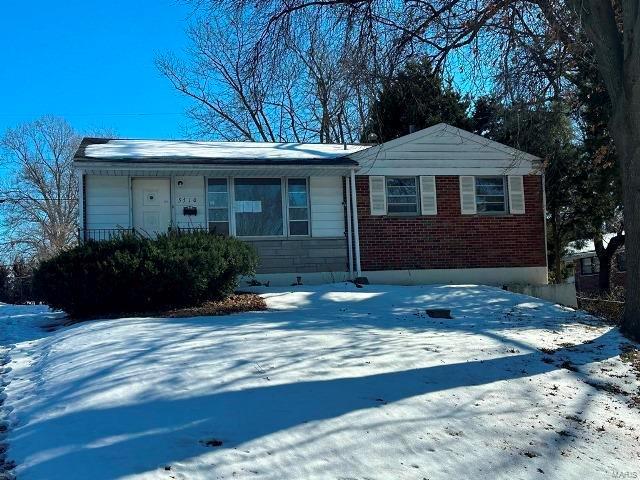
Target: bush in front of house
[135, 274]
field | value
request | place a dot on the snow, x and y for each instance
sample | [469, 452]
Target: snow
[331, 382]
[142, 149]
[587, 246]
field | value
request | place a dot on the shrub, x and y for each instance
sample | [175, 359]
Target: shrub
[135, 274]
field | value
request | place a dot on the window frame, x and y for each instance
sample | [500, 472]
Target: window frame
[229, 200]
[505, 185]
[288, 207]
[418, 211]
[284, 190]
[591, 266]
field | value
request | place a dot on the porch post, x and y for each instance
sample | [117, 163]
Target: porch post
[356, 234]
[349, 236]
[82, 235]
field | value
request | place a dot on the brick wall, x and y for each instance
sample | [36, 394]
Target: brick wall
[450, 239]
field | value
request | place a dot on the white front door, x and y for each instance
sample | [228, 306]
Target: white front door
[151, 205]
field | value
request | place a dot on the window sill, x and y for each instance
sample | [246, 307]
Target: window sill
[273, 237]
[406, 215]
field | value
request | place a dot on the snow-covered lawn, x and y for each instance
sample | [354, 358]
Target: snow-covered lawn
[332, 382]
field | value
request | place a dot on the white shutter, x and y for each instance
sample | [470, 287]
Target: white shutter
[429, 204]
[377, 195]
[516, 194]
[468, 195]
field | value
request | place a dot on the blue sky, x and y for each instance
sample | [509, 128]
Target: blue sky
[92, 62]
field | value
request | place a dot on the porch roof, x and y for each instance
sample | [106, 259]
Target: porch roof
[191, 154]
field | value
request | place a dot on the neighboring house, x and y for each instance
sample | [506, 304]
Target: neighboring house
[438, 205]
[586, 267]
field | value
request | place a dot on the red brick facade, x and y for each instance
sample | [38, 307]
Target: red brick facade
[450, 239]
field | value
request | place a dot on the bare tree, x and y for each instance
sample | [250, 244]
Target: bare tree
[39, 200]
[527, 47]
[310, 85]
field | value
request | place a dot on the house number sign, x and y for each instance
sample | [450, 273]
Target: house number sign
[187, 200]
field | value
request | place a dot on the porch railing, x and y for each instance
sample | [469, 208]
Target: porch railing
[100, 234]
[187, 230]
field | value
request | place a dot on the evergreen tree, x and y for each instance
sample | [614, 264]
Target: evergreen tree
[599, 196]
[417, 97]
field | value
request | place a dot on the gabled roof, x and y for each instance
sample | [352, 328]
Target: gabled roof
[445, 150]
[126, 151]
[463, 135]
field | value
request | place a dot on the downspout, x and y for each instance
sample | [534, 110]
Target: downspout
[544, 214]
[349, 236]
[81, 232]
[356, 234]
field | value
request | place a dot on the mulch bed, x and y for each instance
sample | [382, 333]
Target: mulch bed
[238, 302]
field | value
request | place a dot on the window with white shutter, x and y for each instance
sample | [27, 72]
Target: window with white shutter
[402, 195]
[491, 195]
[516, 194]
[468, 195]
[428, 200]
[377, 195]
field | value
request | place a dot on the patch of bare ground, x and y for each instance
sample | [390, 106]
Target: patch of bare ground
[631, 355]
[236, 303]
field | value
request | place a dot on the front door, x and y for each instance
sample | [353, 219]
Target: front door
[151, 206]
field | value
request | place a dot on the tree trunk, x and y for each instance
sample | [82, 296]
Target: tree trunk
[625, 129]
[604, 277]
[605, 257]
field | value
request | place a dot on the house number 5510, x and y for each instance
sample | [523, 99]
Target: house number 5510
[187, 200]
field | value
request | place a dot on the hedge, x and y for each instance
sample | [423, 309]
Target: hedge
[135, 274]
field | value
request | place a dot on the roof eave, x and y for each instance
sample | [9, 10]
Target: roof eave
[226, 162]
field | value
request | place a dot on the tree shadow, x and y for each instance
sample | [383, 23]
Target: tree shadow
[136, 438]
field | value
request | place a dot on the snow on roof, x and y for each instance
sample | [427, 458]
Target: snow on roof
[100, 149]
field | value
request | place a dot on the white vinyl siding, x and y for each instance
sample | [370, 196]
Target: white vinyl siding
[377, 195]
[107, 202]
[428, 197]
[468, 195]
[516, 194]
[189, 191]
[444, 150]
[327, 207]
